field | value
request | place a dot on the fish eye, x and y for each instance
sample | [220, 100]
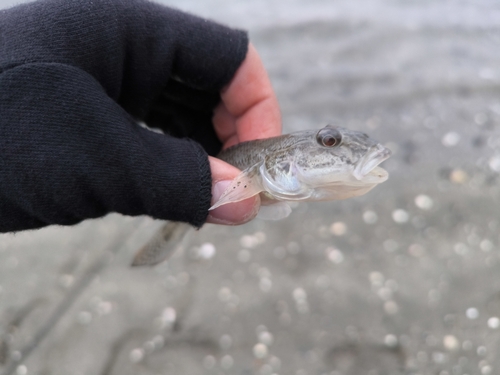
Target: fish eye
[329, 137]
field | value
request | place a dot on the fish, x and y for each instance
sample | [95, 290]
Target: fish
[163, 243]
[331, 163]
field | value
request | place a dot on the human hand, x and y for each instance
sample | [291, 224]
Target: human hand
[76, 77]
[249, 110]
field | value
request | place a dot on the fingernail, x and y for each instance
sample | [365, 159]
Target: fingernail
[218, 189]
[232, 213]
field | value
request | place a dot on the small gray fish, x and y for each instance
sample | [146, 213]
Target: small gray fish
[330, 164]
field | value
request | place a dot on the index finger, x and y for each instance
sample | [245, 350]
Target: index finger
[250, 100]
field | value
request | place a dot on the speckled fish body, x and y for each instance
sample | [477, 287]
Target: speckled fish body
[329, 164]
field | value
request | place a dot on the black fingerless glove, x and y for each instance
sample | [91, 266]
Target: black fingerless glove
[75, 78]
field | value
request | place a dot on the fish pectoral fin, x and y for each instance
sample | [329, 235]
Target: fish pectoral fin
[274, 211]
[246, 185]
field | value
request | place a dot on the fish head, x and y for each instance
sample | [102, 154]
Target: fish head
[338, 163]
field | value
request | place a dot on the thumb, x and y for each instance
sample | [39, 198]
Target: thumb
[232, 213]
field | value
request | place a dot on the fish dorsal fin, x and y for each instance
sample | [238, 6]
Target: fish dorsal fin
[247, 184]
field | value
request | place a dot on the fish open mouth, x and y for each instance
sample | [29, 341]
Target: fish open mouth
[367, 168]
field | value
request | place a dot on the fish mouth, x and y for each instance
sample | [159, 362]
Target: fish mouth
[367, 168]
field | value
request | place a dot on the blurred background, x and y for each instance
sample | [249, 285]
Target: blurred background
[403, 280]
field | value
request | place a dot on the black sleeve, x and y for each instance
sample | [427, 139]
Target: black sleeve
[75, 76]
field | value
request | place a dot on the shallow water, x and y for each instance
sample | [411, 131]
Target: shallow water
[400, 281]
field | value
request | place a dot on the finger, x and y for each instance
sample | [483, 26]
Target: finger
[262, 120]
[250, 126]
[234, 140]
[250, 98]
[225, 126]
[224, 123]
[232, 213]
